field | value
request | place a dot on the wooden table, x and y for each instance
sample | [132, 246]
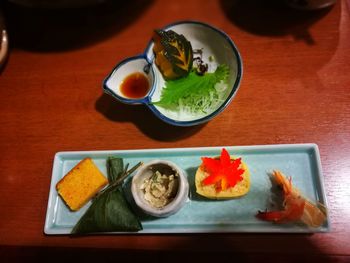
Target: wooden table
[295, 89]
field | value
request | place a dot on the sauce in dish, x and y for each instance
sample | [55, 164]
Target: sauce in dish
[135, 86]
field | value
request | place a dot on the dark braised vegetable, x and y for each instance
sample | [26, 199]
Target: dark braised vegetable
[173, 54]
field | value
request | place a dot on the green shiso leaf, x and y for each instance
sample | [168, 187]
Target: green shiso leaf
[109, 211]
[195, 92]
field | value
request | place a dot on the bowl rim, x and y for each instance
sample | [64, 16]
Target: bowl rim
[150, 59]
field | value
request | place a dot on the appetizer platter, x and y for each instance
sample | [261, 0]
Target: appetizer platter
[226, 189]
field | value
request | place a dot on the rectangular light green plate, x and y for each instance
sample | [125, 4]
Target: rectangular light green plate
[200, 215]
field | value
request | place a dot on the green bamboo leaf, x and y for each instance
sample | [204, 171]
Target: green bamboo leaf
[110, 211]
[115, 168]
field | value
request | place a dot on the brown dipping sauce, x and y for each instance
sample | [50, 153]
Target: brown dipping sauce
[135, 86]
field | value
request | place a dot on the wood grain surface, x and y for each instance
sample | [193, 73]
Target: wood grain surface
[295, 89]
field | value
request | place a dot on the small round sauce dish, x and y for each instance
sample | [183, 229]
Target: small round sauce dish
[133, 81]
[160, 188]
[215, 48]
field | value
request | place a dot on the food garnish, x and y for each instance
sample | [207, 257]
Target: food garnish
[222, 177]
[296, 206]
[200, 66]
[195, 93]
[223, 172]
[80, 184]
[173, 54]
[160, 189]
[109, 211]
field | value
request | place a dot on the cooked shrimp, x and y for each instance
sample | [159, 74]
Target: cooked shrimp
[296, 207]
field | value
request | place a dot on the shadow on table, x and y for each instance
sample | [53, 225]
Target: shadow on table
[44, 29]
[220, 249]
[143, 118]
[272, 18]
[307, 52]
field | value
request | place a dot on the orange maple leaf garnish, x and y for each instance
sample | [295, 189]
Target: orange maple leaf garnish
[223, 172]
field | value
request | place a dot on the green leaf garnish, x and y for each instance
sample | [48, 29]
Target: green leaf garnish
[115, 167]
[194, 93]
[109, 211]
